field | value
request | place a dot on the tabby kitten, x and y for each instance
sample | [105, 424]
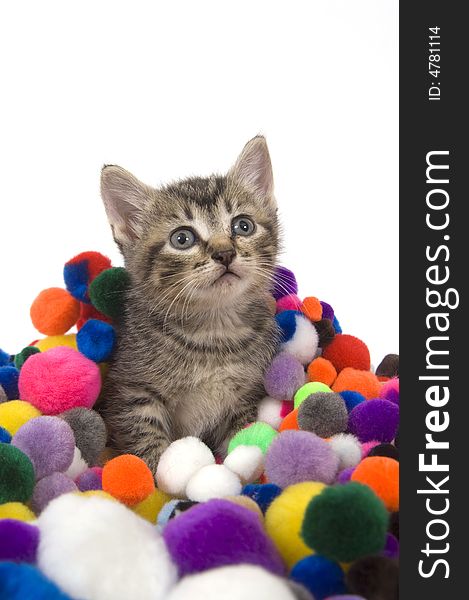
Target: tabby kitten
[198, 332]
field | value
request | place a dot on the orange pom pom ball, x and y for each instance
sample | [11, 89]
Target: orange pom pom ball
[347, 351]
[54, 311]
[381, 474]
[290, 421]
[322, 370]
[128, 479]
[312, 308]
[354, 380]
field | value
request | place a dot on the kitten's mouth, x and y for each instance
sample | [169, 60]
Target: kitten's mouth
[226, 277]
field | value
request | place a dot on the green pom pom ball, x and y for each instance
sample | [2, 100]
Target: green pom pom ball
[309, 388]
[16, 475]
[107, 291]
[23, 356]
[258, 434]
[345, 522]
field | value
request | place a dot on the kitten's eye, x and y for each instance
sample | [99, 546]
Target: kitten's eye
[243, 226]
[182, 239]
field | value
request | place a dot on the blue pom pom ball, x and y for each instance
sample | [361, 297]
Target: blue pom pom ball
[96, 340]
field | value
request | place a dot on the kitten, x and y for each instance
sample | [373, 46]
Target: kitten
[198, 331]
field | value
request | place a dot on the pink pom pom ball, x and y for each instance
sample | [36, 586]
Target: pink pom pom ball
[390, 390]
[290, 302]
[59, 379]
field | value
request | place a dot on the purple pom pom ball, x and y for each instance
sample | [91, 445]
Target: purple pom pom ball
[327, 311]
[345, 475]
[51, 487]
[284, 377]
[89, 480]
[218, 533]
[296, 456]
[374, 420]
[48, 442]
[391, 549]
[284, 283]
[18, 541]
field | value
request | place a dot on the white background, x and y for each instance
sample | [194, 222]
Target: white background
[168, 89]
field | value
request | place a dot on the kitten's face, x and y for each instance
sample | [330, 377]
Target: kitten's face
[201, 243]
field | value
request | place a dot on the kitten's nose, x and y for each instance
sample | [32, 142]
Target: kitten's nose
[225, 257]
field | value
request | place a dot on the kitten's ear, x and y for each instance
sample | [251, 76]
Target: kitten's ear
[254, 169]
[124, 197]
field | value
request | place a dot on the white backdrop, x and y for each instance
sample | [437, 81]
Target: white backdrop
[168, 89]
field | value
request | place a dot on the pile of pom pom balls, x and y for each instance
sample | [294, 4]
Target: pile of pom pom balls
[305, 504]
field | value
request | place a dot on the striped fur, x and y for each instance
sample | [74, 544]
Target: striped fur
[192, 348]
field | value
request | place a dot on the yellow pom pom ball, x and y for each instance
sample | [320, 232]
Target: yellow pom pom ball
[17, 511]
[99, 494]
[151, 506]
[57, 340]
[284, 518]
[15, 413]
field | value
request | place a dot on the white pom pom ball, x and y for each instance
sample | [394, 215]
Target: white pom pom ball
[96, 548]
[304, 343]
[348, 449]
[179, 462]
[269, 412]
[78, 465]
[247, 462]
[236, 582]
[213, 481]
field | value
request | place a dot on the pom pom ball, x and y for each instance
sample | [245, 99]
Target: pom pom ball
[390, 391]
[323, 413]
[54, 311]
[290, 302]
[95, 562]
[263, 494]
[381, 474]
[374, 578]
[78, 465]
[5, 436]
[374, 420]
[150, 507]
[326, 332]
[351, 399]
[298, 335]
[235, 582]
[284, 517]
[309, 388]
[290, 421]
[128, 479]
[5, 358]
[59, 379]
[48, 442]
[327, 311]
[322, 370]
[345, 522]
[284, 283]
[21, 581]
[388, 450]
[50, 487]
[18, 541]
[96, 340]
[247, 502]
[270, 411]
[257, 434]
[364, 382]
[391, 549]
[284, 377]
[247, 462]
[3, 396]
[15, 413]
[17, 511]
[89, 431]
[91, 479]
[107, 291]
[321, 576]
[213, 481]
[297, 456]
[16, 475]
[81, 270]
[389, 366]
[23, 356]
[54, 341]
[179, 462]
[223, 534]
[348, 450]
[9, 381]
[347, 351]
[312, 308]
